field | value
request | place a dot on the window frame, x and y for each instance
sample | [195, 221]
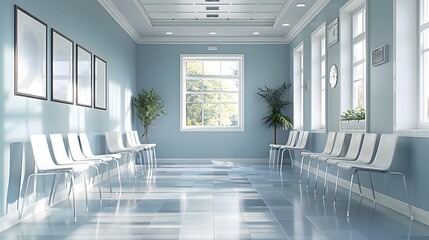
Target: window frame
[298, 87]
[423, 76]
[359, 38]
[211, 57]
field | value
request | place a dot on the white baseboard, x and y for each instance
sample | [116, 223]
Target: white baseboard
[419, 214]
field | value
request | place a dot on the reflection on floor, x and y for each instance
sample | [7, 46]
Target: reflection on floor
[218, 201]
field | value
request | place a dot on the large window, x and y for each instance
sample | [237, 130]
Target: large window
[318, 78]
[424, 63]
[359, 58]
[211, 93]
[298, 87]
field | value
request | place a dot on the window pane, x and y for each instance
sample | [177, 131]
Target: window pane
[358, 94]
[211, 115]
[229, 68]
[359, 23]
[230, 85]
[425, 39]
[194, 98]
[322, 68]
[359, 72]
[322, 46]
[425, 86]
[211, 68]
[229, 115]
[194, 85]
[425, 11]
[358, 51]
[229, 97]
[194, 68]
[211, 98]
[194, 113]
[212, 85]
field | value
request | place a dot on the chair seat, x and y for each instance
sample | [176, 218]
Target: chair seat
[362, 166]
[339, 160]
[326, 158]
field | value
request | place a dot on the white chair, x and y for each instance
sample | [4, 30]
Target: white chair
[152, 145]
[113, 147]
[365, 156]
[381, 163]
[141, 147]
[352, 154]
[86, 149]
[61, 158]
[78, 156]
[326, 150]
[46, 166]
[300, 146]
[275, 148]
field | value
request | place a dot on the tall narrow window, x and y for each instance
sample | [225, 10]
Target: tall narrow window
[298, 88]
[318, 78]
[359, 58]
[211, 92]
[424, 63]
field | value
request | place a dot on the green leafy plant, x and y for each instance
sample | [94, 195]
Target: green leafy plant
[149, 106]
[353, 115]
[276, 106]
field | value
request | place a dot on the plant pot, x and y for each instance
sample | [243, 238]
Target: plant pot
[353, 125]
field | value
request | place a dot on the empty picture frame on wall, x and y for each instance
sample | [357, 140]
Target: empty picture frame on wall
[30, 55]
[100, 83]
[61, 68]
[84, 77]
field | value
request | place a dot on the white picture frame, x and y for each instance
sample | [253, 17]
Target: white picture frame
[332, 33]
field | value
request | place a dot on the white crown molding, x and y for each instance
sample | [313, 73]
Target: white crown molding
[120, 19]
[211, 40]
[317, 7]
[282, 12]
[143, 11]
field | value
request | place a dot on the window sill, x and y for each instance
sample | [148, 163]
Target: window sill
[423, 133]
[219, 129]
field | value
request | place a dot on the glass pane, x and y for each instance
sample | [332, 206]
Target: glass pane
[358, 94]
[322, 108]
[358, 51]
[359, 72]
[229, 85]
[425, 39]
[211, 115]
[211, 98]
[229, 68]
[359, 23]
[322, 68]
[194, 85]
[229, 115]
[424, 11]
[194, 68]
[211, 68]
[425, 83]
[322, 83]
[322, 46]
[229, 97]
[194, 113]
[194, 98]
[212, 85]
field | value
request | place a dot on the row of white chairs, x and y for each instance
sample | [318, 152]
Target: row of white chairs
[297, 141]
[359, 157]
[80, 160]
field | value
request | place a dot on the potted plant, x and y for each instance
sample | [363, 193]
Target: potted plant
[276, 105]
[351, 119]
[149, 106]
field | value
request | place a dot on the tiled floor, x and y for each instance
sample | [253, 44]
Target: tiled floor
[218, 201]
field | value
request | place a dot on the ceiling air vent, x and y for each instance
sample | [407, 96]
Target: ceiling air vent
[212, 1]
[212, 8]
[212, 15]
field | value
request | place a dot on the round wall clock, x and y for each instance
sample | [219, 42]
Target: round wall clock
[333, 76]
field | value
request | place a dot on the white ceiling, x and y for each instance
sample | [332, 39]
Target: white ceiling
[192, 21]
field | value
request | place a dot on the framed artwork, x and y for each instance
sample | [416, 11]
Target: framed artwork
[332, 33]
[30, 55]
[84, 77]
[61, 68]
[100, 83]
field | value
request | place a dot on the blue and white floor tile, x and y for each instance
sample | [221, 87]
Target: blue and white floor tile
[219, 201]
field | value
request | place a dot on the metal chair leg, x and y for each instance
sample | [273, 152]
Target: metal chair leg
[53, 190]
[360, 187]
[336, 186]
[317, 177]
[291, 158]
[119, 174]
[308, 172]
[86, 190]
[300, 171]
[406, 192]
[372, 187]
[25, 196]
[281, 159]
[74, 196]
[325, 184]
[350, 192]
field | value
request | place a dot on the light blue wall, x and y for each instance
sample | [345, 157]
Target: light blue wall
[159, 68]
[89, 25]
[411, 153]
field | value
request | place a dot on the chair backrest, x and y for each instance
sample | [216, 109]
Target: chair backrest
[299, 139]
[130, 139]
[385, 151]
[118, 136]
[41, 153]
[354, 146]
[60, 152]
[329, 143]
[86, 147]
[304, 140]
[289, 138]
[294, 138]
[367, 149]
[74, 146]
[338, 145]
[111, 142]
[136, 138]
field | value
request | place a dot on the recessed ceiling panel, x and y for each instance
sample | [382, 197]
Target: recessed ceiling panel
[255, 8]
[151, 8]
